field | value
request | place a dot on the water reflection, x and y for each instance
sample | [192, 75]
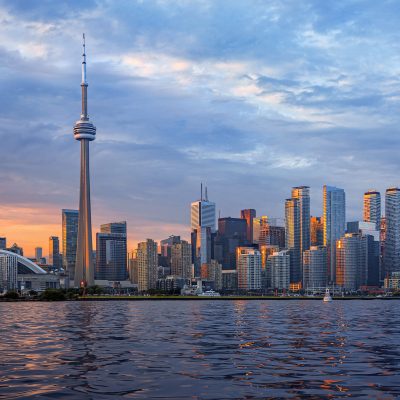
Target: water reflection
[204, 350]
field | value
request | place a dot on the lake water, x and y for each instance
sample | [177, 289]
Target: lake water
[200, 349]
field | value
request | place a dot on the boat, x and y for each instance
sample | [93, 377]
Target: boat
[210, 293]
[327, 297]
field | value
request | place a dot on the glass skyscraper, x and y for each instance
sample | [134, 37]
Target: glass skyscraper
[293, 237]
[391, 256]
[69, 239]
[372, 208]
[334, 209]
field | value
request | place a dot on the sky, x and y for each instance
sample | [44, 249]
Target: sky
[248, 97]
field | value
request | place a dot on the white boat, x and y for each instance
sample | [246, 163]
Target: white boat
[210, 293]
[327, 297]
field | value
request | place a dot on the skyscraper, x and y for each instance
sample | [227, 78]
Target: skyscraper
[54, 252]
[278, 267]
[85, 132]
[248, 215]
[147, 263]
[334, 210]
[3, 243]
[316, 231]
[69, 239]
[111, 256]
[314, 267]
[8, 272]
[302, 193]
[266, 232]
[372, 208]
[181, 259]
[293, 238]
[202, 218]
[391, 257]
[248, 268]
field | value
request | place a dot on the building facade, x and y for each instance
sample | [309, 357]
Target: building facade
[391, 257]
[69, 240]
[248, 215]
[293, 238]
[147, 263]
[334, 215]
[317, 231]
[181, 259]
[54, 252]
[315, 267]
[248, 268]
[278, 268]
[372, 208]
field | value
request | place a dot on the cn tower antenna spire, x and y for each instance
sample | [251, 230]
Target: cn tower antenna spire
[84, 82]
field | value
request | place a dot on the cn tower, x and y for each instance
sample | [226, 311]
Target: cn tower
[85, 132]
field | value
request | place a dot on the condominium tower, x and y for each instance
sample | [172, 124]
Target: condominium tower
[69, 240]
[372, 208]
[391, 257]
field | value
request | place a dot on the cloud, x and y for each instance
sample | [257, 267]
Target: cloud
[252, 99]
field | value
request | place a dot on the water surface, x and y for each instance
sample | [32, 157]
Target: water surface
[200, 349]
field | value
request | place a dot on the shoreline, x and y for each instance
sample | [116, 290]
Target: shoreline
[201, 298]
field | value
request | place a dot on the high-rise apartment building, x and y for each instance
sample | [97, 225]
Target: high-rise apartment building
[54, 252]
[69, 239]
[181, 259]
[3, 243]
[334, 215]
[248, 268]
[315, 267]
[248, 215]
[212, 272]
[391, 258]
[293, 238]
[352, 261]
[147, 264]
[278, 268]
[317, 231]
[302, 194]
[372, 208]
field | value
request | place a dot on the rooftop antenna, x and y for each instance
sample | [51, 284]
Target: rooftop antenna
[201, 191]
[206, 194]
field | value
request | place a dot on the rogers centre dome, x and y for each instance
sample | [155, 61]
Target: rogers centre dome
[25, 266]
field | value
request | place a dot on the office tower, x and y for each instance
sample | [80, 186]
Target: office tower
[314, 267]
[3, 243]
[8, 272]
[181, 259]
[111, 257]
[352, 261]
[248, 268]
[293, 238]
[334, 210]
[114, 227]
[54, 252]
[202, 218]
[392, 241]
[212, 272]
[372, 208]
[147, 263]
[85, 132]
[232, 233]
[248, 215]
[16, 249]
[266, 231]
[69, 239]
[166, 248]
[38, 254]
[302, 194]
[278, 266]
[316, 231]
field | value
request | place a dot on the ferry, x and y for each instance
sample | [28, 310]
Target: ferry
[210, 293]
[327, 297]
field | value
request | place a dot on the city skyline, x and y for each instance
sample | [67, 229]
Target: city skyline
[243, 121]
